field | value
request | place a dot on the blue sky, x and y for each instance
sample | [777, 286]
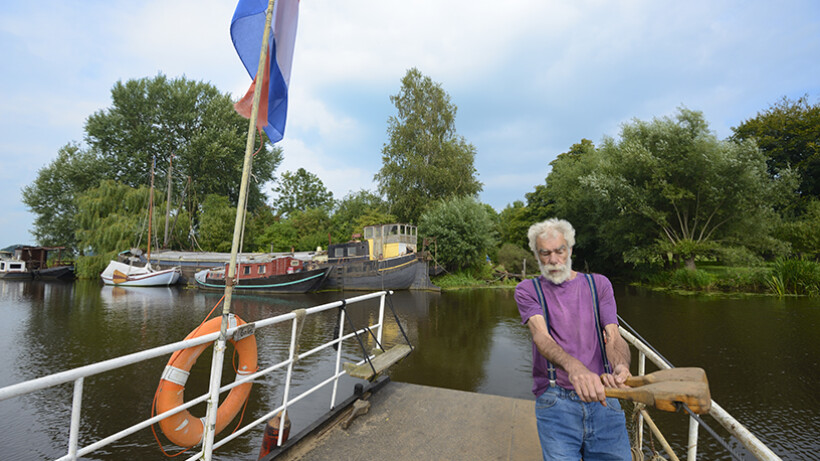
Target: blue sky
[529, 77]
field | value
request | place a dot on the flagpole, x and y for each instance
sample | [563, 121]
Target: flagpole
[230, 279]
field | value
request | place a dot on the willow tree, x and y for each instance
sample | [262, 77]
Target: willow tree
[671, 187]
[425, 159]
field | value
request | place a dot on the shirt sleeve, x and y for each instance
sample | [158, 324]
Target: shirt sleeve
[527, 301]
[606, 300]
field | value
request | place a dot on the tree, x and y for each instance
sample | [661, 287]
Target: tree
[424, 160]
[463, 231]
[788, 133]
[51, 197]
[301, 190]
[158, 118]
[669, 187]
[514, 221]
[216, 224]
[357, 210]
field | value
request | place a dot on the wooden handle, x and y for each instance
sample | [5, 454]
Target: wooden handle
[666, 394]
[692, 374]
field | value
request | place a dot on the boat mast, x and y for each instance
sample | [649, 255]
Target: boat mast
[168, 202]
[230, 278]
[150, 209]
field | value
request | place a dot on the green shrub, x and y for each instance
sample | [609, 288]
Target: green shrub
[690, 280]
[796, 276]
[512, 257]
[90, 267]
[738, 257]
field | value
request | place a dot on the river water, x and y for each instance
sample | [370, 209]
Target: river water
[761, 355]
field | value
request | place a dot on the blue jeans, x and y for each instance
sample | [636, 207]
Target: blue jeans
[570, 429]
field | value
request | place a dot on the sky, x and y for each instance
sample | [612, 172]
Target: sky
[529, 78]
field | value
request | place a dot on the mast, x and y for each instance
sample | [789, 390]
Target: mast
[150, 208]
[230, 278]
[168, 201]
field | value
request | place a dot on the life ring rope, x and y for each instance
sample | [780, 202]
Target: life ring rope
[182, 428]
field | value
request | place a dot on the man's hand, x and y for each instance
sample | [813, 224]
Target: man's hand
[587, 384]
[617, 378]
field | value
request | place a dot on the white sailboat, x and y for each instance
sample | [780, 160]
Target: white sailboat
[127, 275]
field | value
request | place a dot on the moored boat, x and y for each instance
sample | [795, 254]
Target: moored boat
[126, 275]
[284, 274]
[32, 262]
[387, 258]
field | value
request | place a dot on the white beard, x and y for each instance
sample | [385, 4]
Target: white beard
[557, 278]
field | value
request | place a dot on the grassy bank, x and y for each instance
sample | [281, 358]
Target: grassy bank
[784, 277]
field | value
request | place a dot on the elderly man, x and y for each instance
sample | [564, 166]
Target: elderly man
[577, 350]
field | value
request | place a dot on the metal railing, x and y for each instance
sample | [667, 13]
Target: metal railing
[746, 438]
[78, 375]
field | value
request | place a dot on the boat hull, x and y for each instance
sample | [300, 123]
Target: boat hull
[400, 273]
[297, 282]
[139, 276]
[60, 273]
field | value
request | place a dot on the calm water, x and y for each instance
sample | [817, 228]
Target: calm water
[761, 356]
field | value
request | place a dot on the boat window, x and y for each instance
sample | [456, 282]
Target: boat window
[368, 232]
[2, 266]
[351, 251]
[261, 269]
[340, 253]
[15, 266]
[294, 262]
[247, 270]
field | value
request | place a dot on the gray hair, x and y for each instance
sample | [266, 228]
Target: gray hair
[552, 227]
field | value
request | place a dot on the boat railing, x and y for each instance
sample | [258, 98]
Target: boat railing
[78, 375]
[746, 438]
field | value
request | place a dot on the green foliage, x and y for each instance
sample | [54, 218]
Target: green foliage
[90, 267]
[738, 257]
[512, 257]
[111, 217]
[155, 118]
[349, 216]
[788, 133]
[300, 191]
[463, 231]
[513, 223]
[312, 228]
[216, 224]
[51, 197]
[690, 280]
[666, 185]
[803, 233]
[424, 160]
[796, 276]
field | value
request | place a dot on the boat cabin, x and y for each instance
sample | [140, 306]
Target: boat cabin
[262, 269]
[383, 241]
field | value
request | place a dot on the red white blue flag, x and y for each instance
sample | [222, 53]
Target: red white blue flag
[247, 27]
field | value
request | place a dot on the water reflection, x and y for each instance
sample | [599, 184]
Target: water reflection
[760, 355]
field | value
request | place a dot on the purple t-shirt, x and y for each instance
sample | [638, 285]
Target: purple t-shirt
[571, 322]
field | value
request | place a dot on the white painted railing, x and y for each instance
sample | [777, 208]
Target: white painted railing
[752, 443]
[78, 375]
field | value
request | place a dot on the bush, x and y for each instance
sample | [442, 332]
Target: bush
[690, 279]
[463, 231]
[512, 257]
[795, 276]
[90, 267]
[738, 257]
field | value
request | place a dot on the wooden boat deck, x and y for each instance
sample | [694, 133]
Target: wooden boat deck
[412, 422]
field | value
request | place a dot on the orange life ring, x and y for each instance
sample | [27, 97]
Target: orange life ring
[183, 428]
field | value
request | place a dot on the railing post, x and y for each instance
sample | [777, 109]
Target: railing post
[692, 452]
[288, 376]
[641, 371]
[338, 358]
[76, 407]
[381, 318]
[209, 429]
